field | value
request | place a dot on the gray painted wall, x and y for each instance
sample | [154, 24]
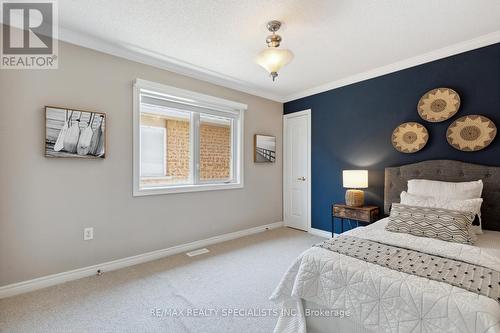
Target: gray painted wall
[46, 203]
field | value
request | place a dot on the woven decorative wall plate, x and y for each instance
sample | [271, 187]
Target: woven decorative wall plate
[409, 137]
[438, 105]
[471, 133]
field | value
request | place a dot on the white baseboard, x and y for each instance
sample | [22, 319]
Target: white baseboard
[50, 280]
[320, 233]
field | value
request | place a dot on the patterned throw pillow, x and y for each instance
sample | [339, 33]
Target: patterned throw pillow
[443, 224]
[463, 205]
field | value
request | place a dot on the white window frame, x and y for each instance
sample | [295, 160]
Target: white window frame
[189, 99]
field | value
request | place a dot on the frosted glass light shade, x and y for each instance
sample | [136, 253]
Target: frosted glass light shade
[355, 178]
[273, 59]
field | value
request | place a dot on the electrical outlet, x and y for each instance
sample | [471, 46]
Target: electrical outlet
[88, 233]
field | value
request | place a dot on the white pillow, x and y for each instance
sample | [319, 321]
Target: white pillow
[465, 205]
[448, 190]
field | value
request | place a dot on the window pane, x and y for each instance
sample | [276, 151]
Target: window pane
[215, 148]
[167, 163]
[153, 151]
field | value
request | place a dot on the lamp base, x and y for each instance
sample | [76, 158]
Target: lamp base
[354, 198]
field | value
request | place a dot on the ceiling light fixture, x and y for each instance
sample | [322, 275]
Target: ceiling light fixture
[272, 58]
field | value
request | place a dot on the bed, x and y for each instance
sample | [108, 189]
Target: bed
[325, 291]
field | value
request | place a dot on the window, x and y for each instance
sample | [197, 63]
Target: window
[185, 141]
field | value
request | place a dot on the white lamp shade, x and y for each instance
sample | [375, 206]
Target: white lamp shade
[273, 59]
[355, 178]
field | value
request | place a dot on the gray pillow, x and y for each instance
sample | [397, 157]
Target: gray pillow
[443, 224]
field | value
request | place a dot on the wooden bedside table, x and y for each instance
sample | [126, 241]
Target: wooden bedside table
[364, 214]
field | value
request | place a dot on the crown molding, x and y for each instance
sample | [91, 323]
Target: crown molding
[155, 59]
[469, 45]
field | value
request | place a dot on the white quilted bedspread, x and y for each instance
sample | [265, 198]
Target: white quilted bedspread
[384, 300]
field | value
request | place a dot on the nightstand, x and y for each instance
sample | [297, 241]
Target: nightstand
[363, 214]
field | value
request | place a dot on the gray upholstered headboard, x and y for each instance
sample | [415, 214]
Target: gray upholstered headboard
[396, 180]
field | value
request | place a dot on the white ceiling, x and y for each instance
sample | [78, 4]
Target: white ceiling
[333, 40]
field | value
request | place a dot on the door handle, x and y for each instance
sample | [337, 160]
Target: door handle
[302, 179]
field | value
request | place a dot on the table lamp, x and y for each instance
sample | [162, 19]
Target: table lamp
[354, 180]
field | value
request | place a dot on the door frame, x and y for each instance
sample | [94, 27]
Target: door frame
[309, 180]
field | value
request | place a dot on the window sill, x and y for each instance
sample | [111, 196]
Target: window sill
[185, 189]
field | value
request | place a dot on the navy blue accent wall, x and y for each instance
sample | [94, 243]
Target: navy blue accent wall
[352, 125]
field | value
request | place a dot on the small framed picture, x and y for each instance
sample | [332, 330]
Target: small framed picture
[74, 133]
[264, 148]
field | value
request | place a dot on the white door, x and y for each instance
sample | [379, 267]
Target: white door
[296, 169]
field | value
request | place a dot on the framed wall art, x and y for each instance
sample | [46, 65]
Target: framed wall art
[264, 148]
[74, 133]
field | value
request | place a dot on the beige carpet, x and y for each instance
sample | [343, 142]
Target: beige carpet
[236, 275]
